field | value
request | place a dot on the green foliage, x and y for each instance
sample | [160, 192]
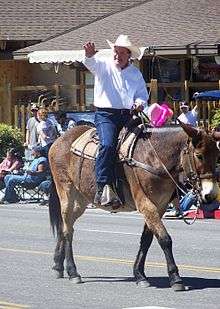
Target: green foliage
[10, 138]
[215, 119]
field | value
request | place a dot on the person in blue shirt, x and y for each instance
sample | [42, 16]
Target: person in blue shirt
[32, 177]
[187, 201]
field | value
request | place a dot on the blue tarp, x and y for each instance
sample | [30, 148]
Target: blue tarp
[207, 95]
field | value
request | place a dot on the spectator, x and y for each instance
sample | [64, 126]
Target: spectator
[46, 129]
[45, 187]
[64, 123]
[10, 164]
[186, 202]
[32, 177]
[31, 131]
[187, 116]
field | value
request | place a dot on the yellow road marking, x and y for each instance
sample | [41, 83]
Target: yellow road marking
[118, 261]
[5, 305]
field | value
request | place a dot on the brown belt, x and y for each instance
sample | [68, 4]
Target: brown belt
[113, 110]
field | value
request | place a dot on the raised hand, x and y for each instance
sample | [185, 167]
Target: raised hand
[89, 48]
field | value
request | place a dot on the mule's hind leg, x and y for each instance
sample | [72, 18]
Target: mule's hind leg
[138, 269]
[59, 255]
[71, 209]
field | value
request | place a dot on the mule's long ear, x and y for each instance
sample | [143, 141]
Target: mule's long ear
[190, 131]
[216, 135]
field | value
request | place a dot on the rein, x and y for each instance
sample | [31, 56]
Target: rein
[192, 175]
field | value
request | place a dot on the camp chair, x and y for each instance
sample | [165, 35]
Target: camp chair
[29, 192]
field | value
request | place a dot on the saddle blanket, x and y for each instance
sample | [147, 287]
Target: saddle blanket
[86, 145]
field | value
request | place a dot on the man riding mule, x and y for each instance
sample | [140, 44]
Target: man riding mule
[148, 182]
[119, 87]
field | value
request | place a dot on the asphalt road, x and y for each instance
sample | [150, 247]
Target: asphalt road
[105, 247]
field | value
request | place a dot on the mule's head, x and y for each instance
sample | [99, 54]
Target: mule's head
[202, 159]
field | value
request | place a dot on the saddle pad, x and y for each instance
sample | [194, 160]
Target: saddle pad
[86, 145]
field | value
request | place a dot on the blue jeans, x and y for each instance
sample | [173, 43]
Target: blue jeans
[109, 123]
[46, 149]
[187, 201]
[45, 186]
[10, 183]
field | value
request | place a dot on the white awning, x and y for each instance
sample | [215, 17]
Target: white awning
[62, 56]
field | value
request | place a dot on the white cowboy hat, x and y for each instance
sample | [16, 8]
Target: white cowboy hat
[123, 41]
[183, 104]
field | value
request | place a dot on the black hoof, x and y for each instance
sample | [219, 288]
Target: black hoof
[178, 287]
[76, 280]
[59, 274]
[143, 283]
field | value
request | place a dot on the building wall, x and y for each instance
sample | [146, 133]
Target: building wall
[45, 75]
[12, 73]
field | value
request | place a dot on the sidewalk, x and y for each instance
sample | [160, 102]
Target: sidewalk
[190, 214]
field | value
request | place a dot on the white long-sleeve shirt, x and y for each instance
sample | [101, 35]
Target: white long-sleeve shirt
[116, 88]
[191, 117]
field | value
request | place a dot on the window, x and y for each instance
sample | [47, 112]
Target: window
[205, 69]
[89, 91]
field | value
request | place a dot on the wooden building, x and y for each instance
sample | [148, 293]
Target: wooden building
[181, 55]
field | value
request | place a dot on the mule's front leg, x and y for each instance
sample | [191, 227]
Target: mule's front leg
[165, 242]
[138, 269]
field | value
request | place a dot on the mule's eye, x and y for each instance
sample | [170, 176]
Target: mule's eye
[199, 156]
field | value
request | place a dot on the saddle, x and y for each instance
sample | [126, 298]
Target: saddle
[87, 145]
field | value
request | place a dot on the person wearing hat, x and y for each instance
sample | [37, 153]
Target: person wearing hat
[119, 88]
[187, 116]
[35, 174]
[31, 131]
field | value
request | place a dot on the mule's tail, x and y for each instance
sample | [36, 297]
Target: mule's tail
[55, 210]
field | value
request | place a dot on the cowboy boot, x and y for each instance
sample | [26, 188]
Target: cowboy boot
[98, 194]
[109, 197]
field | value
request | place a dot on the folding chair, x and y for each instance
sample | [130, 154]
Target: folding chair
[27, 192]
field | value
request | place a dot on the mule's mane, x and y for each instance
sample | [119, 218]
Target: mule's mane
[168, 129]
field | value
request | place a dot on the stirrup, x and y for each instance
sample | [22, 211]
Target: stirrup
[109, 197]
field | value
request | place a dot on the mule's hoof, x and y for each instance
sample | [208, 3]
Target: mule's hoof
[143, 283]
[76, 280]
[59, 274]
[178, 287]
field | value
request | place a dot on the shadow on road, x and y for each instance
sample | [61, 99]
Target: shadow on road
[193, 283]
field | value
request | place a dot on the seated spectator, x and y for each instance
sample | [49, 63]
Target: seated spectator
[45, 188]
[32, 177]
[11, 164]
[64, 123]
[186, 202]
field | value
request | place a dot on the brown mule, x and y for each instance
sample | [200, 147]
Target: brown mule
[146, 185]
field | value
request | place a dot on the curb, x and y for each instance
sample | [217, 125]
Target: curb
[204, 214]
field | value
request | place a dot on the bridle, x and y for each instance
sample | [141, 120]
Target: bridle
[188, 167]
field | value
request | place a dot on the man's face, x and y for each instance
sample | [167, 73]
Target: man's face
[184, 110]
[34, 112]
[121, 56]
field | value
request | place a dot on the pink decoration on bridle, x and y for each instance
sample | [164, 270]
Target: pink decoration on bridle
[159, 114]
